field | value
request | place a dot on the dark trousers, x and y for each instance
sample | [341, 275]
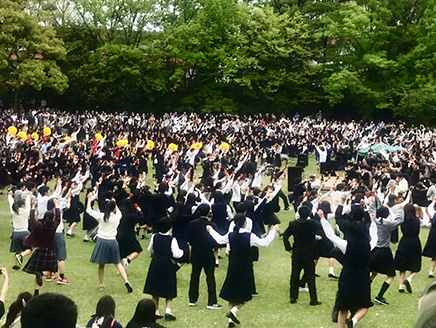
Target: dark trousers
[209, 270]
[299, 262]
[282, 195]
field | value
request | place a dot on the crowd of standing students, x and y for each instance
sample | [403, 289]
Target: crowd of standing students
[210, 194]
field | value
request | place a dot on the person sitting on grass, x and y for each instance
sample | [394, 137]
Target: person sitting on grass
[104, 314]
[4, 291]
[145, 315]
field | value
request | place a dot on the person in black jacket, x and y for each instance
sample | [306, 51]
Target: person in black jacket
[303, 253]
[202, 257]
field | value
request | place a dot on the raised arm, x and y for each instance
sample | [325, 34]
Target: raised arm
[218, 238]
[264, 242]
[328, 230]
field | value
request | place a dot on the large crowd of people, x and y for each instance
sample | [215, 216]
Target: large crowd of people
[216, 187]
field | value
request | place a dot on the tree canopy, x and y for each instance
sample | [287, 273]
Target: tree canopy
[371, 59]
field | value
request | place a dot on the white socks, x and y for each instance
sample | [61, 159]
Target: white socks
[431, 273]
[332, 270]
[354, 321]
[157, 312]
[234, 310]
[70, 232]
[402, 287]
[168, 311]
[409, 280]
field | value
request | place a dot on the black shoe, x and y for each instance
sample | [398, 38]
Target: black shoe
[349, 323]
[408, 286]
[19, 258]
[333, 276]
[293, 301]
[39, 279]
[314, 303]
[159, 316]
[169, 317]
[128, 287]
[16, 267]
[255, 294]
[380, 300]
[70, 234]
[401, 290]
[317, 275]
[220, 257]
[232, 324]
[334, 315]
[232, 316]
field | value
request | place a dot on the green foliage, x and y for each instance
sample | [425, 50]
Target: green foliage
[367, 57]
[29, 52]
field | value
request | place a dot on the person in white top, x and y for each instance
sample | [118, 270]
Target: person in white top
[20, 210]
[106, 249]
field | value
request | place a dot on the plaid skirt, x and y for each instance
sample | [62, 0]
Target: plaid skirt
[42, 260]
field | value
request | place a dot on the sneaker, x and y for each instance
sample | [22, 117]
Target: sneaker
[128, 287]
[380, 300]
[215, 307]
[102, 287]
[408, 286]
[169, 317]
[19, 258]
[62, 281]
[125, 263]
[302, 289]
[51, 277]
[349, 323]
[314, 303]
[192, 304]
[431, 275]
[232, 317]
[333, 276]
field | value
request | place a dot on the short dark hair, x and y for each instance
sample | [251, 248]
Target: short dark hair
[50, 311]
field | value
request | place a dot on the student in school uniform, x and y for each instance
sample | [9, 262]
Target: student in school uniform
[304, 253]
[107, 250]
[145, 315]
[202, 257]
[354, 292]
[238, 285]
[161, 277]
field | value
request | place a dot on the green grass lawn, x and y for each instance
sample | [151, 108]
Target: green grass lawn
[270, 309]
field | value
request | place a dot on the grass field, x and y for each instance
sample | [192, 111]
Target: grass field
[270, 309]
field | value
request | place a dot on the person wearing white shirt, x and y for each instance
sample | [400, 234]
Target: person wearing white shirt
[238, 285]
[106, 249]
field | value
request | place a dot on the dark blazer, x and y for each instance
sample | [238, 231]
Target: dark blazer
[304, 237]
[201, 242]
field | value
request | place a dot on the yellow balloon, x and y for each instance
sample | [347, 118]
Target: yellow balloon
[224, 146]
[98, 136]
[12, 130]
[173, 147]
[150, 145]
[22, 135]
[47, 131]
[35, 136]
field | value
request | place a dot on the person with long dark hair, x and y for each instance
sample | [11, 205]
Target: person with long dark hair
[238, 285]
[145, 315]
[161, 277]
[107, 250]
[14, 314]
[104, 316]
[408, 256]
[354, 292]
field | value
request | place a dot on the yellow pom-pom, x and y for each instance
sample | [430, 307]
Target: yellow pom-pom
[122, 143]
[12, 130]
[224, 147]
[47, 131]
[67, 139]
[35, 136]
[150, 145]
[98, 136]
[173, 147]
[22, 135]
[197, 145]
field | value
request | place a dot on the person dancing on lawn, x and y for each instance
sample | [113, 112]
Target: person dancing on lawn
[106, 249]
[238, 286]
[430, 245]
[161, 278]
[354, 292]
[43, 260]
[408, 256]
[20, 210]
